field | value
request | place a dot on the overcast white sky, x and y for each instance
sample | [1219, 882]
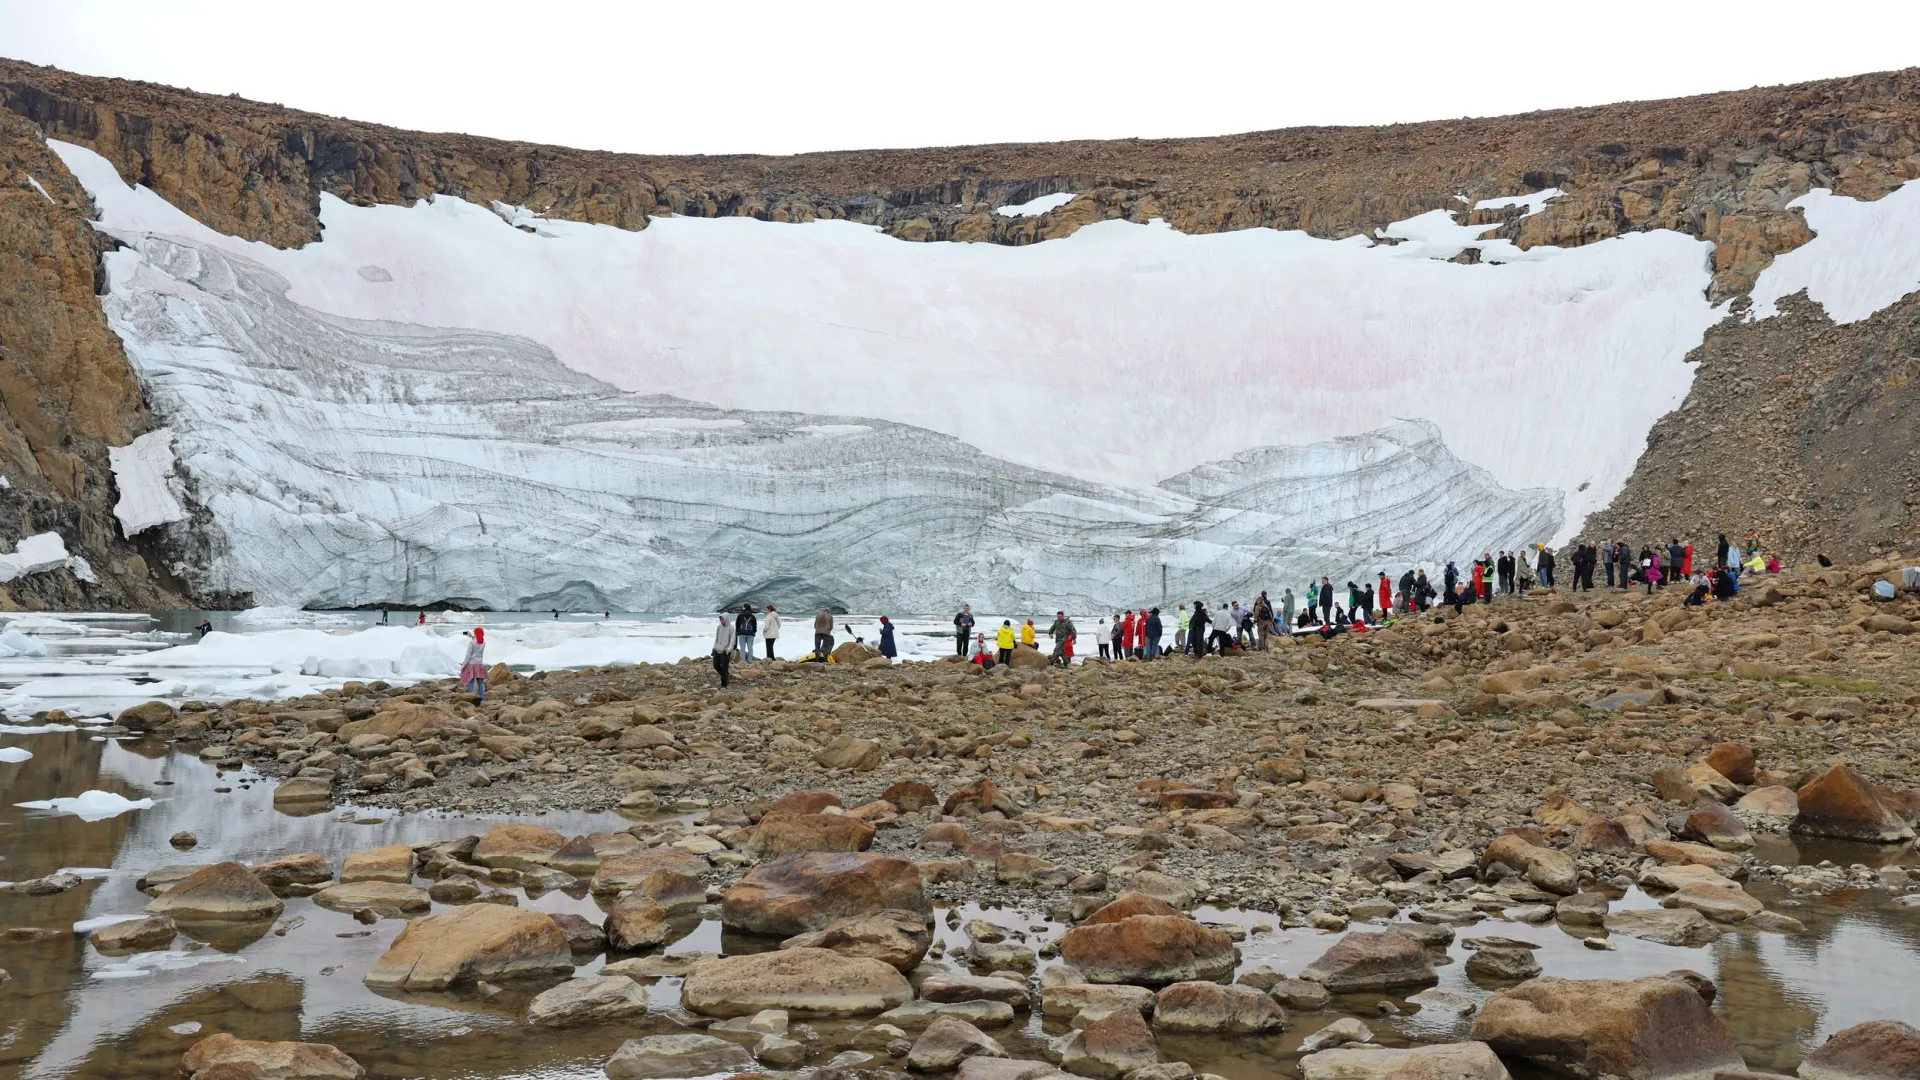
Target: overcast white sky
[748, 75]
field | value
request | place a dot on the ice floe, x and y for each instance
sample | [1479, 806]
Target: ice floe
[91, 805]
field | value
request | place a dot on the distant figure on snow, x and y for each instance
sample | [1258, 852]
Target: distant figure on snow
[205, 627]
[423, 618]
[473, 669]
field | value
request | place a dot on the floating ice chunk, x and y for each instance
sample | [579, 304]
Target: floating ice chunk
[14, 754]
[88, 872]
[293, 616]
[92, 805]
[149, 490]
[44, 625]
[15, 643]
[34, 729]
[1035, 207]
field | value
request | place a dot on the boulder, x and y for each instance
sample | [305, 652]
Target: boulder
[223, 892]
[383, 898]
[1371, 963]
[146, 716]
[977, 798]
[804, 982]
[1654, 1028]
[1682, 853]
[1674, 926]
[1502, 965]
[1129, 904]
[1713, 823]
[1874, 1050]
[480, 941]
[1446, 1061]
[673, 891]
[1545, 867]
[782, 833]
[1072, 999]
[635, 922]
[304, 868]
[1149, 950]
[1707, 783]
[1583, 909]
[577, 857]
[1721, 903]
[594, 1000]
[1604, 835]
[910, 796]
[228, 1058]
[583, 935]
[1216, 1009]
[809, 801]
[947, 1042]
[663, 1057]
[916, 1015]
[621, 873]
[847, 752]
[988, 1068]
[1842, 803]
[303, 792]
[950, 988]
[1732, 760]
[795, 894]
[1300, 995]
[393, 863]
[1110, 1047]
[517, 845]
[135, 935]
[896, 938]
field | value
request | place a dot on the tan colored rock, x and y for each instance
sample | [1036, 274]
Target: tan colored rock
[593, 1000]
[1072, 999]
[686, 1054]
[1149, 950]
[393, 863]
[1683, 853]
[1714, 824]
[804, 982]
[1842, 803]
[1717, 902]
[517, 845]
[898, 939]
[223, 892]
[383, 898]
[1656, 1028]
[1874, 1050]
[809, 801]
[1446, 1061]
[781, 833]
[634, 922]
[303, 791]
[135, 935]
[619, 873]
[796, 894]
[1707, 781]
[304, 868]
[1769, 807]
[1110, 1047]
[1733, 760]
[1216, 1009]
[848, 752]
[480, 941]
[225, 1057]
[1545, 867]
[947, 1042]
[1363, 962]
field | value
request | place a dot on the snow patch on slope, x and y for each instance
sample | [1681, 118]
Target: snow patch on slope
[149, 492]
[1863, 256]
[1036, 207]
[40, 553]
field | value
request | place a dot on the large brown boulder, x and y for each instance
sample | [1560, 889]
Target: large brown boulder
[809, 801]
[1110, 1047]
[225, 1056]
[848, 752]
[223, 892]
[619, 873]
[1129, 904]
[1844, 804]
[404, 719]
[947, 1042]
[795, 894]
[909, 796]
[1545, 867]
[393, 863]
[636, 921]
[518, 845]
[1714, 824]
[781, 833]
[898, 939]
[804, 982]
[1732, 760]
[301, 868]
[479, 941]
[1446, 1061]
[1149, 950]
[134, 935]
[1213, 1008]
[1875, 1050]
[1371, 963]
[1654, 1028]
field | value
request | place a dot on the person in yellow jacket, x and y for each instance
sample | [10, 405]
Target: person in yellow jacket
[1005, 641]
[1027, 637]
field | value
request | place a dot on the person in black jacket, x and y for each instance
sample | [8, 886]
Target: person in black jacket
[1675, 553]
[1150, 637]
[1720, 552]
[887, 648]
[745, 626]
[962, 629]
[1197, 629]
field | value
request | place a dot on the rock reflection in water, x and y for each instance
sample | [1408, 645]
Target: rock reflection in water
[1780, 995]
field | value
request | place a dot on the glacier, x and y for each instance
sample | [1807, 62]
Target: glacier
[447, 401]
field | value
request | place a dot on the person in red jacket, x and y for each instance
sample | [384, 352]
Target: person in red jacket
[1686, 561]
[1386, 595]
[1480, 581]
[1129, 627]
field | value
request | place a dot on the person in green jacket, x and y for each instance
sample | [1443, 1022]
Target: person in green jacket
[1180, 629]
[1062, 632]
[1286, 610]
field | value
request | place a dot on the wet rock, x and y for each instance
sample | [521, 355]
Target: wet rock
[1448, 1061]
[916, 1015]
[781, 833]
[481, 941]
[577, 857]
[225, 1057]
[663, 1057]
[1445, 1001]
[146, 716]
[1217, 1009]
[635, 922]
[1682, 853]
[658, 965]
[947, 1042]
[47, 885]
[1458, 862]
[673, 891]
[1110, 1047]
[1173, 891]
[621, 873]
[1772, 922]
[1844, 804]
[778, 1050]
[304, 868]
[1583, 909]
[393, 863]
[796, 894]
[896, 938]
[1714, 824]
[223, 892]
[1072, 999]
[804, 982]
[583, 935]
[517, 845]
[593, 1000]
[1502, 965]
[1678, 927]
[1301, 995]
[384, 898]
[1716, 902]
[134, 935]
[1369, 963]
[1149, 950]
[986, 1068]
[948, 988]
[1768, 807]
[1732, 760]
[184, 839]
[1874, 1050]
[848, 752]
[1340, 1032]
[1653, 1028]
[303, 791]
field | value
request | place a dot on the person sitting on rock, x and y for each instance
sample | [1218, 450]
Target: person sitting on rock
[980, 654]
[1698, 597]
[1027, 634]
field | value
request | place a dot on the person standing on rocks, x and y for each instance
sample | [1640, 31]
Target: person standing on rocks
[823, 633]
[1262, 620]
[1104, 639]
[887, 647]
[1721, 552]
[1117, 637]
[1546, 562]
[771, 626]
[1287, 608]
[1150, 634]
[1386, 594]
[962, 629]
[1422, 590]
[1180, 628]
[1197, 634]
[724, 641]
[1061, 632]
[1623, 564]
[744, 628]
[473, 669]
[1676, 555]
[1326, 600]
[1606, 560]
[1005, 641]
[1686, 560]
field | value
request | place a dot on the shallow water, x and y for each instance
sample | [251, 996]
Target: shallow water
[72, 1012]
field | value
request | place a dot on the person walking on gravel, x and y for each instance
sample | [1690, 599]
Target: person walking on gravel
[1061, 632]
[823, 633]
[744, 628]
[724, 641]
[473, 669]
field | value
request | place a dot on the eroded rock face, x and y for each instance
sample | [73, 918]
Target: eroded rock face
[225, 1056]
[1875, 1050]
[223, 892]
[1149, 950]
[480, 941]
[1363, 962]
[1655, 1028]
[796, 894]
[804, 982]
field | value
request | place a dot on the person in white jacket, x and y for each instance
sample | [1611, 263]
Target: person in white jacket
[770, 629]
[473, 669]
[723, 643]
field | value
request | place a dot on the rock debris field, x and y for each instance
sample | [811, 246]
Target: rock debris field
[1530, 762]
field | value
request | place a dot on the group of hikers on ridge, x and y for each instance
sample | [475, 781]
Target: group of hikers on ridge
[1328, 609]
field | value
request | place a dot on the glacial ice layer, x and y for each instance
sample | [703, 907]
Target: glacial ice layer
[432, 403]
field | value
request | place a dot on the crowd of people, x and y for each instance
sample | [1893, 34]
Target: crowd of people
[1325, 608]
